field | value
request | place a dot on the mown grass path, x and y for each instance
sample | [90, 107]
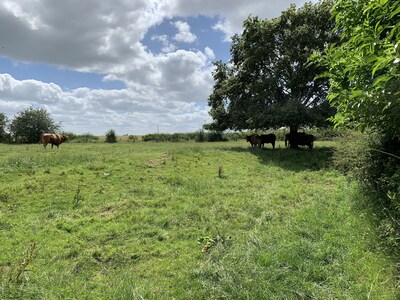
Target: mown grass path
[184, 221]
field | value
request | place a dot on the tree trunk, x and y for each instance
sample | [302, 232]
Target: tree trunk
[292, 132]
[293, 129]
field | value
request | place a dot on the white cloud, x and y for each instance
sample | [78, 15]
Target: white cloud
[184, 34]
[209, 52]
[82, 109]
[167, 45]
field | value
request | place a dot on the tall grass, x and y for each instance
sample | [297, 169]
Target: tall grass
[185, 221]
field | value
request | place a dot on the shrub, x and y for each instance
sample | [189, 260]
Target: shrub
[133, 138]
[374, 161]
[167, 137]
[86, 138]
[200, 136]
[216, 136]
[111, 137]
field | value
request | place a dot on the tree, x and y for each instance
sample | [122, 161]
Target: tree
[269, 81]
[29, 123]
[111, 136]
[3, 125]
[364, 70]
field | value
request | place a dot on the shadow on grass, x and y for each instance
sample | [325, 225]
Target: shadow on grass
[293, 159]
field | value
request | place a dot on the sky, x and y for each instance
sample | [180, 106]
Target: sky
[134, 66]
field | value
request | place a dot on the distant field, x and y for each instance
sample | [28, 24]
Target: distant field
[184, 221]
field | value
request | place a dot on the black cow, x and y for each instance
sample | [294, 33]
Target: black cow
[268, 138]
[294, 140]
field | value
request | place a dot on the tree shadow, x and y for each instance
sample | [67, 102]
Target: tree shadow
[296, 160]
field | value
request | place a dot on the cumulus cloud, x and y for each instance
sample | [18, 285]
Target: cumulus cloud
[184, 34]
[167, 45]
[83, 109]
[168, 89]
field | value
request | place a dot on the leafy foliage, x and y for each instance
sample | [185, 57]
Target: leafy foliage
[365, 77]
[269, 82]
[29, 123]
[111, 136]
[373, 160]
[364, 69]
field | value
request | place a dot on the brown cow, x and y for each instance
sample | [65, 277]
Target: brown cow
[254, 140]
[53, 139]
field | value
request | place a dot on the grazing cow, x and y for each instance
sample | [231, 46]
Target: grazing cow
[253, 139]
[294, 140]
[268, 138]
[53, 139]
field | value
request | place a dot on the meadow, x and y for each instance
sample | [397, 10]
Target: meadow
[185, 220]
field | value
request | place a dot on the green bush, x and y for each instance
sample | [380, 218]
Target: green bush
[133, 138]
[216, 136]
[111, 136]
[86, 138]
[374, 161]
[200, 136]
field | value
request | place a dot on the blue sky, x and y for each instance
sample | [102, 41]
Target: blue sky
[132, 66]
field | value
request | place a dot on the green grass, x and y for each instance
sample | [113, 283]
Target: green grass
[132, 221]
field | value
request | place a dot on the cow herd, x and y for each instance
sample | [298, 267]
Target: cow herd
[292, 140]
[260, 140]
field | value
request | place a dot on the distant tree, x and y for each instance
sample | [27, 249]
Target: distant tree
[111, 136]
[3, 126]
[364, 69]
[29, 123]
[269, 81]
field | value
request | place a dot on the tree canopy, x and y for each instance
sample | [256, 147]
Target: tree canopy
[364, 69]
[269, 82]
[29, 123]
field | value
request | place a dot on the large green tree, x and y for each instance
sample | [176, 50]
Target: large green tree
[269, 81]
[364, 70]
[29, 123]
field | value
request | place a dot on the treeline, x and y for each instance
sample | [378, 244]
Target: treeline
[201, 136]
[198, 136]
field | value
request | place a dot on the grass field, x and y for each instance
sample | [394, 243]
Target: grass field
[185, 221]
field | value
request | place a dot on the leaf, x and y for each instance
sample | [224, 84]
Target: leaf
[396, 12]
[371, 58]
[382, 79]
[382, 62]
[357, 93]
